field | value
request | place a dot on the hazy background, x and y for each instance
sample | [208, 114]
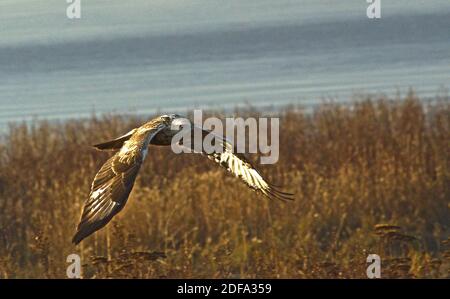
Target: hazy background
[142, 56]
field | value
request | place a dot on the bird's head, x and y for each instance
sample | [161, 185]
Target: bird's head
[175, 121]
[168, 118]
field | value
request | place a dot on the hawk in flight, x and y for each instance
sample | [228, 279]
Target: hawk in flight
[115, 179]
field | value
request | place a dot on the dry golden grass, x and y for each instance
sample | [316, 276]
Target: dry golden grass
[373, 178]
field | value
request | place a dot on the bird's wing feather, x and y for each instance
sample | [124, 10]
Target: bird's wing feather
[114, 144]
[113, 183]
[240, 166]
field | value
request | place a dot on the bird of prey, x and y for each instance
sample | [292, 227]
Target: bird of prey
[115, 179]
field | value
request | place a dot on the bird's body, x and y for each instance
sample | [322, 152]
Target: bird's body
[114, 181]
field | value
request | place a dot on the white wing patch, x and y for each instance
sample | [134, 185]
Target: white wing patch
[241, 167]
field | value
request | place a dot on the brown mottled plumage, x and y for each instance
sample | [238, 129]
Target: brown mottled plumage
[115, 179]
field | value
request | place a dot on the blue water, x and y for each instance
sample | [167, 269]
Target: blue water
[175, 55]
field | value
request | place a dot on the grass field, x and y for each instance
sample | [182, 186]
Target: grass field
[351, 168]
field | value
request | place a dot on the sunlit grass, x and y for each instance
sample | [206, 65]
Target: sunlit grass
[377, 162]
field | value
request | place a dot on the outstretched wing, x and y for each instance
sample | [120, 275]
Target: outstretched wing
[240, 166]
[113, 183]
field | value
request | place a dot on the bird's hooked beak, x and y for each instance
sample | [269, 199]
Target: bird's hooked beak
[179, 123]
